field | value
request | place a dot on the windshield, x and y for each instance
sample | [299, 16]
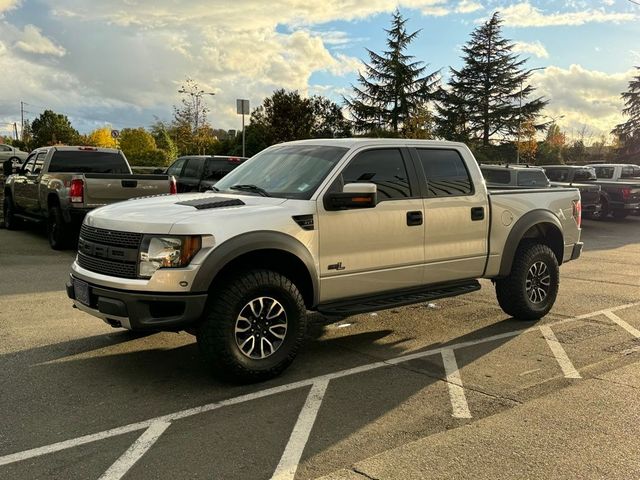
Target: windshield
[290, 171]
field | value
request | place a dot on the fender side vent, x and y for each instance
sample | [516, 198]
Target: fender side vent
[305, 221]
[217, 202]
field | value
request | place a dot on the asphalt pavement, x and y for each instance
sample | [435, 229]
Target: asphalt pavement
[450, 389]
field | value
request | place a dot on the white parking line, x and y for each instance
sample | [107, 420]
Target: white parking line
[561, 356]
[144, 442]
[616, 319]
[288, 465]
[74, 442]
[459, 403]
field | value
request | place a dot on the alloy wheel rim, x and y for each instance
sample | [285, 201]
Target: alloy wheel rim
[538, 282]
[261, 328]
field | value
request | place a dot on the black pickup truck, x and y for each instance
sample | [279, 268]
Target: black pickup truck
[618, 198]
[198, 173]
[584, 179]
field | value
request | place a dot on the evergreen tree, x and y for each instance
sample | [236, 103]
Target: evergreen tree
[484, 97]
[628, 132]
[394, 86]
[52, 128]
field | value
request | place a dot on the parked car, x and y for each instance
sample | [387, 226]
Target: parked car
[621, 183]
[506, 176]
[584, 179]
[335, 225]
[60, 185]
[616, 171]
[17, 156]
[198, 173]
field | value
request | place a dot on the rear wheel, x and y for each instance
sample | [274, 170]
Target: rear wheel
[9, 214]
[57, 229]
[603, 212]
[530, 290]
[253, 326]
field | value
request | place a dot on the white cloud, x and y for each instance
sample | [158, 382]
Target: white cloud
[468, 6]
[32, 41]
[534, 48]
[435, 11]
[526, 15]
[6, 5]
[584, 97]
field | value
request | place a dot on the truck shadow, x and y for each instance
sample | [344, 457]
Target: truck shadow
[116, 379]
[610, 234]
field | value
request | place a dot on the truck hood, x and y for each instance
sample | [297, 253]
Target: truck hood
[160, 214]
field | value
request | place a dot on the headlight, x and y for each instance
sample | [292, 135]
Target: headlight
[166, 252]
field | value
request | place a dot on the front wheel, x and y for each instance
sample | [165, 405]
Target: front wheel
[253, 326]
[9, 214]
[530, 290]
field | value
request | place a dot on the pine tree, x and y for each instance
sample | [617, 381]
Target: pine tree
[628, 132]
[394, 86]
[484, 97]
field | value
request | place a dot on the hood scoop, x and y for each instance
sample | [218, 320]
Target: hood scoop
[216, 202]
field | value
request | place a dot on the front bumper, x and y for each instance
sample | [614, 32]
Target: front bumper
[141, 311]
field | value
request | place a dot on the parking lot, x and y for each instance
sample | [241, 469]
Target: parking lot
[82, 400]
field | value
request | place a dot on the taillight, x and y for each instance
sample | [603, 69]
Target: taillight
[76, 190]
[626, 193]
[173, 188]
[577, 212]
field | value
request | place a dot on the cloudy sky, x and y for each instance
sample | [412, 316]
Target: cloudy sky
[121, 62]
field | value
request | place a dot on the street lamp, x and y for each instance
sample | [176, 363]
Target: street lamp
[197, 97]
[520, 114]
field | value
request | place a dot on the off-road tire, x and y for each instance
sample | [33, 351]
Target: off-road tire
[8, 211]
[57, 229]
[216, 333]
[604, 211]
[512, 292]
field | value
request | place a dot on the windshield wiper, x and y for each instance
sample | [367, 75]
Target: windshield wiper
[251, 188]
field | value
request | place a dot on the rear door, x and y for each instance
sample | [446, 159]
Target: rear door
[456, 225]
[189, 181]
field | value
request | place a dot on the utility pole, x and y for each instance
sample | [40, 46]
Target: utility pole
[15, 129]
[21, 120]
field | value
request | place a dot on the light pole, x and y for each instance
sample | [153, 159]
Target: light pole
[520, 114]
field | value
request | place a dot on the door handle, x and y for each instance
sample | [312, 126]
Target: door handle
[477, 213]
[414, 218]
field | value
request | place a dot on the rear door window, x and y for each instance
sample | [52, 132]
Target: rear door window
[446, 173]
[193, 168]
[216, 168]
[630, 171]
[88, 161]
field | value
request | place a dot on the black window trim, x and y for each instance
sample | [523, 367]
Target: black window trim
[412, 177]
[424, 185]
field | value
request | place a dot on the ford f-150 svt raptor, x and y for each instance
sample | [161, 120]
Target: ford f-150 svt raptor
[338, 226]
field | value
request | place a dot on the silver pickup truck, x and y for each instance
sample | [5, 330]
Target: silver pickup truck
[338, 226]
[61, 184]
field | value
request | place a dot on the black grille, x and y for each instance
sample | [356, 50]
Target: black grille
[111, 237]
[93, 258]
[107, 267]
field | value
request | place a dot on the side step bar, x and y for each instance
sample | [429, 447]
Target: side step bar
[28, 218]
[397, 299]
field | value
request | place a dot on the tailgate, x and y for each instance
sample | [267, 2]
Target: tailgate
[103, 189]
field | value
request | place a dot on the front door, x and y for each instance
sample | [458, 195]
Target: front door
[379, 249]
[456, 218]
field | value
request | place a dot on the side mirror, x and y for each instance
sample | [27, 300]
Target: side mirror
[353, 195]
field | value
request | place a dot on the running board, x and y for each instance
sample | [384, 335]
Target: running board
[397, 299]
[28, 218]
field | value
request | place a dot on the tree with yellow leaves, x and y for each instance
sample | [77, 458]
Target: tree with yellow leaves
[101, 137]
